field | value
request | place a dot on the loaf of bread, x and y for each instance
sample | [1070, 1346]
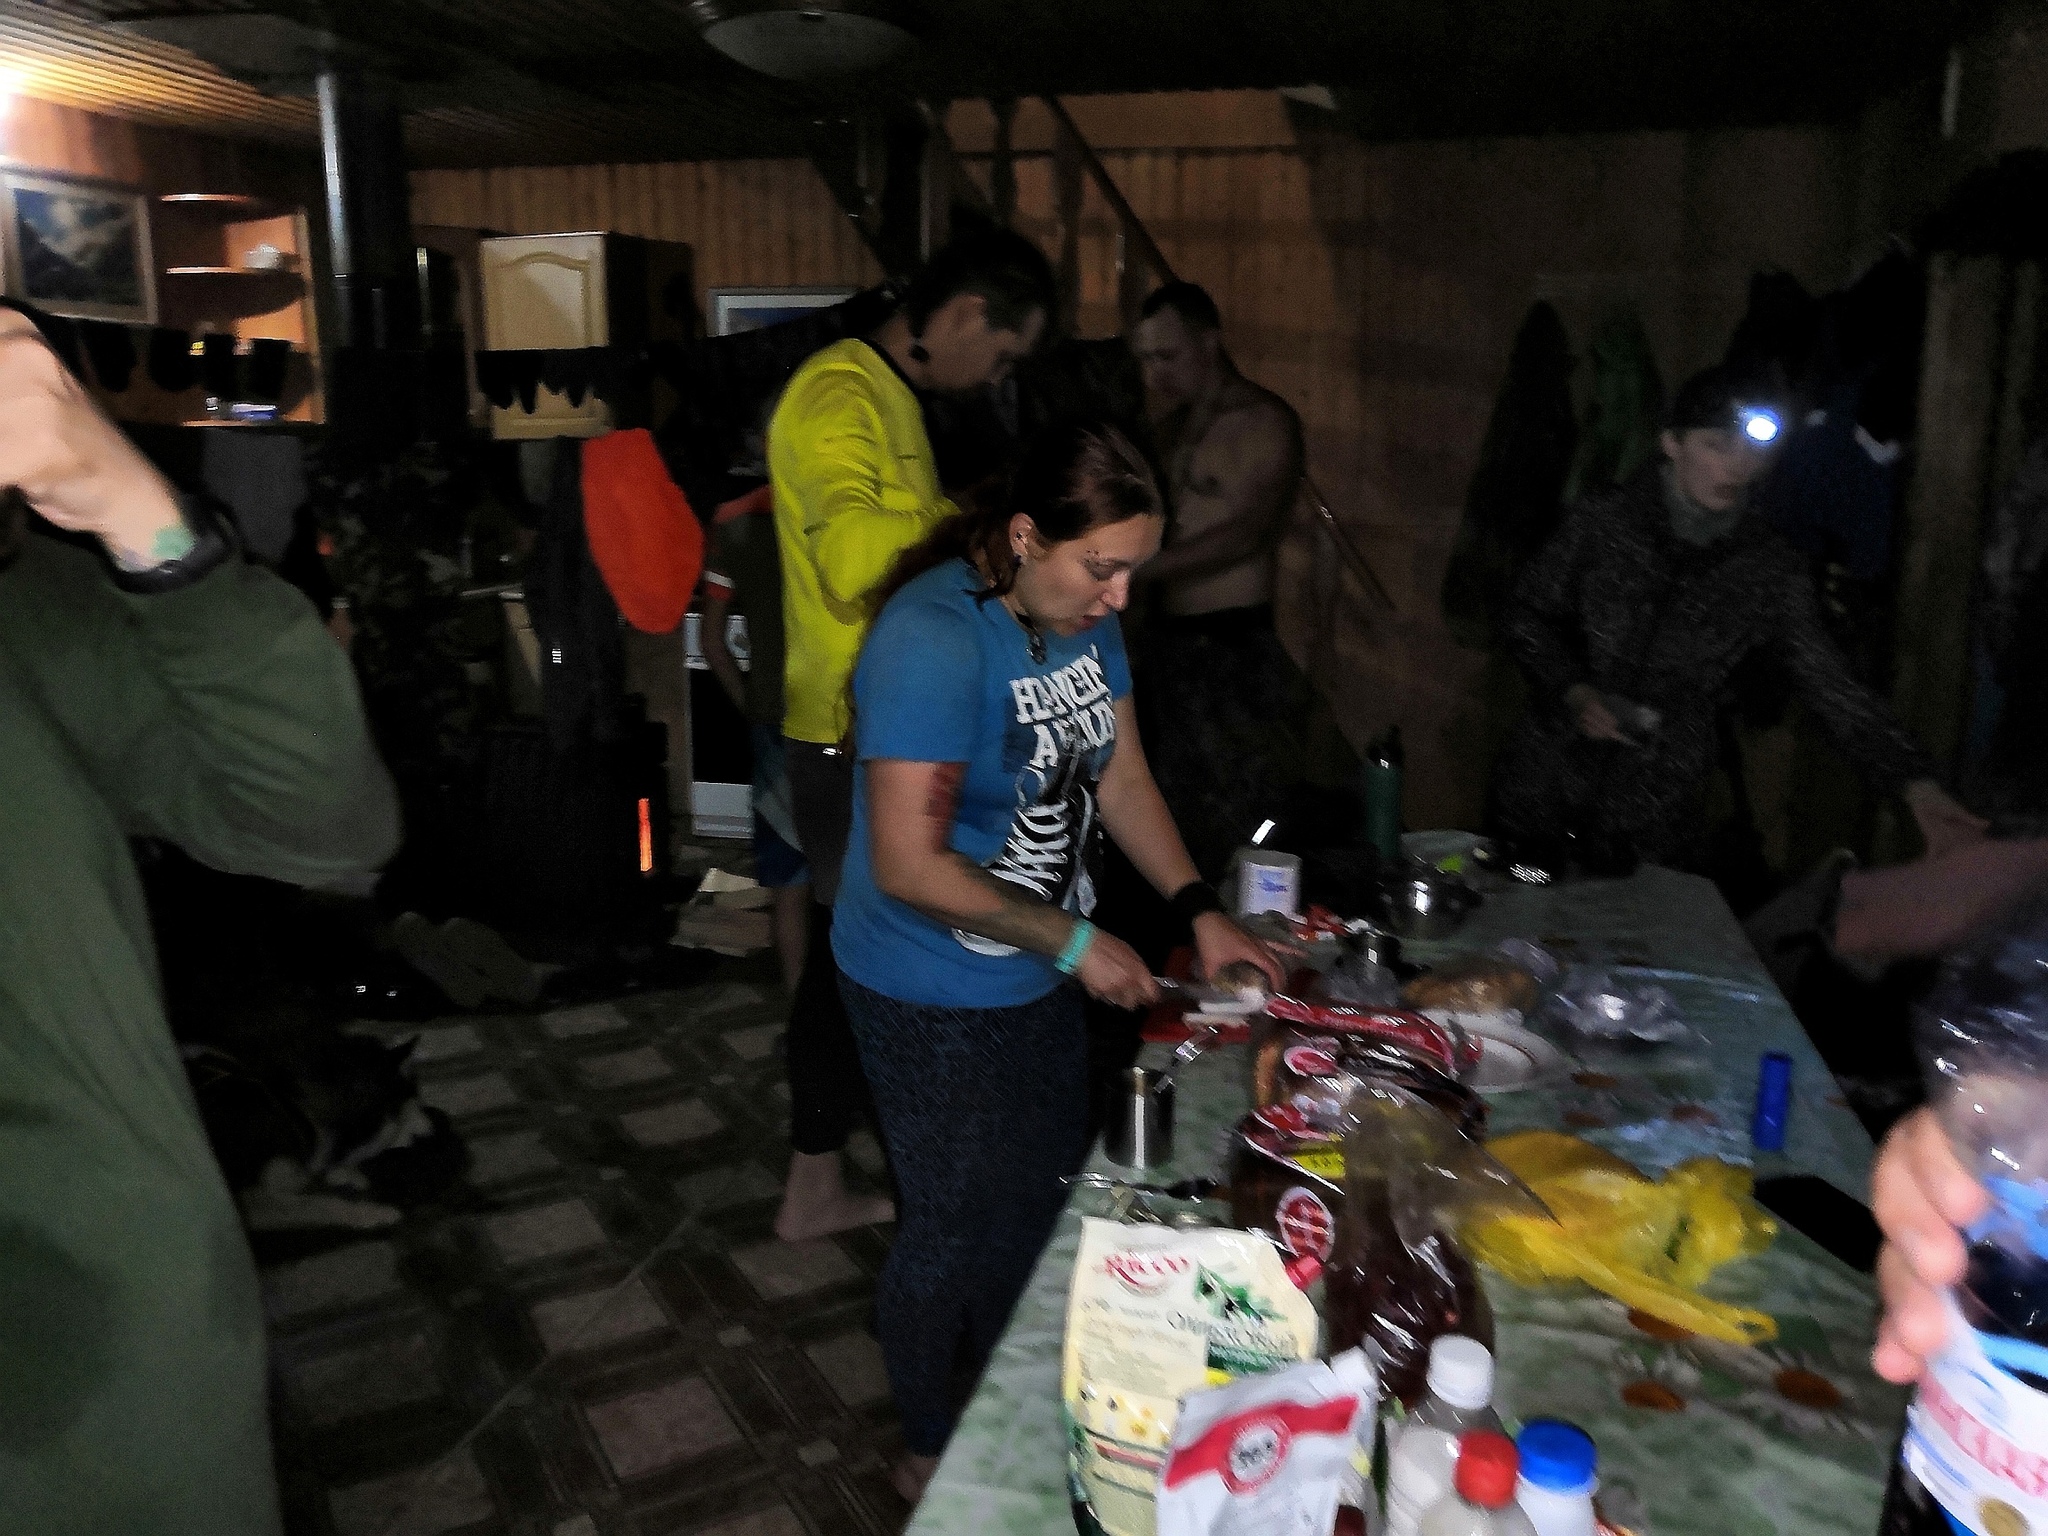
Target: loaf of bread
[1472, 984]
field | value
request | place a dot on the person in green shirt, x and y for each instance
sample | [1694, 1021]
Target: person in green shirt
[153, 685]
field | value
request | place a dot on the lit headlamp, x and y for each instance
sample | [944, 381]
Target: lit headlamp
[1758, 425]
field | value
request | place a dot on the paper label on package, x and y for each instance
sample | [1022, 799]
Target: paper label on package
[1155, 1313]
[1977, 1439]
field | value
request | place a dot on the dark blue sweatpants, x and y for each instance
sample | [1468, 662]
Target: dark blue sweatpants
[984, 1111]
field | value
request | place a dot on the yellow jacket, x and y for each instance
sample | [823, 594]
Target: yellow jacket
[855, 486]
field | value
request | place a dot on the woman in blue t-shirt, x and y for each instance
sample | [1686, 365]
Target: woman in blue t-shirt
[997, 744]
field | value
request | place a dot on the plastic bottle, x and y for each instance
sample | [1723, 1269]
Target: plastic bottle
[1977, 1433]
[1460, 1387]
[1482, 1498]
[1558, 1478]
[1422, 1458]
[1420, 1464]
[1384, 763]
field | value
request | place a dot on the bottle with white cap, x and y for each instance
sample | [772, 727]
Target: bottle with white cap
[1460, 1387]
[1423, 1456]
[1557, 1482]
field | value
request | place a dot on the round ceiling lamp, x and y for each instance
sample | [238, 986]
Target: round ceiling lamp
[807, 39]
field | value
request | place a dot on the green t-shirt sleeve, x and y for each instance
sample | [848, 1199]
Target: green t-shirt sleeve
[222, 717]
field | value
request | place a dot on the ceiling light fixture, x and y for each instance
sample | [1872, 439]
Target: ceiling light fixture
[808, 39]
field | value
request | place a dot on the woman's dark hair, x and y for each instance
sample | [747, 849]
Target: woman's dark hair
[1071, 478]
[1007, 270]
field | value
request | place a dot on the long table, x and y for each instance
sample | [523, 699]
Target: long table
[1794, 1436]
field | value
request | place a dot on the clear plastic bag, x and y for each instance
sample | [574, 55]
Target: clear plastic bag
[1398, 1277]
[1361, 982]
[1596, 1006]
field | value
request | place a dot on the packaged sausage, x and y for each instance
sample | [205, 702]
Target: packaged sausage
[1154, 1314]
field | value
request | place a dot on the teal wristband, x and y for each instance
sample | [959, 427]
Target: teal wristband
[1069, 961]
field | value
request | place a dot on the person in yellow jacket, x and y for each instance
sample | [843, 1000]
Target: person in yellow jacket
[855, 484]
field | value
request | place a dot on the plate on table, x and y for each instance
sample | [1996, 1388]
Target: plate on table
[1512, 1058]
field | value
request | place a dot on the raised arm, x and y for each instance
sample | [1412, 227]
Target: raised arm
[220, 715]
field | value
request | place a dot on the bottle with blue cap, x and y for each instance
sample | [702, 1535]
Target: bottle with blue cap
[1975, 1454]
[1558, 1479]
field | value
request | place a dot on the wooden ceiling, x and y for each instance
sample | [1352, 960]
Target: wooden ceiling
[495, 82]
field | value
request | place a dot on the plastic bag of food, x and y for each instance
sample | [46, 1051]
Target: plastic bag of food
[1489, 985]
[1290, 1021]
[1271, 1454]
[1599, 1007]
[1649, 1243]
[1153, 1314]
[1398, 1276]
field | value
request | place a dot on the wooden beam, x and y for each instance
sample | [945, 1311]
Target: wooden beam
[1968, 300]
[1070, 138]
[1002, 169]
[1069, 185]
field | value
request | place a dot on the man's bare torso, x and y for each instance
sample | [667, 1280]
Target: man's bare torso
[1218, 453]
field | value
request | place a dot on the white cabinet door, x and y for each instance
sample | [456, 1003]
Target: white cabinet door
[546, 292]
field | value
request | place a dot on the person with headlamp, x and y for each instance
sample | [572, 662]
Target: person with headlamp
[1629, 625]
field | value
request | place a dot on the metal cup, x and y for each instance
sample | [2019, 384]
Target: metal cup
[1141, 1120]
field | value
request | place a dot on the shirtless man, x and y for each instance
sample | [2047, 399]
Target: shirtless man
[1225, 705]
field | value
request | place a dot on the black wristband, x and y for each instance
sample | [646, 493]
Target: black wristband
[1194, 899]
[212, 548]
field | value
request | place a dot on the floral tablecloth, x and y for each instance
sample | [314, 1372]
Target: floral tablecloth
[1696, 1438]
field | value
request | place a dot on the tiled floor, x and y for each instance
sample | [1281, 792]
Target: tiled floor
[602, 1338]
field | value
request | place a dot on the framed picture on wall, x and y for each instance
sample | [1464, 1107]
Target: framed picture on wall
[755, 309]
[77, 247]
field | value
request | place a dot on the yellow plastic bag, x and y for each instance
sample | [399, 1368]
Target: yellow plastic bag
[1649, 1243]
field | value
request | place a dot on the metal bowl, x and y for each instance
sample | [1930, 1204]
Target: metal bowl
[1427, 904]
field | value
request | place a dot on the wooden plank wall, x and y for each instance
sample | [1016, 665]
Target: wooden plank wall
[1379, 288]
[770, 223]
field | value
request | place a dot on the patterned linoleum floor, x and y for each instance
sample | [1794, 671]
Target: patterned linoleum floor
[611, 1342]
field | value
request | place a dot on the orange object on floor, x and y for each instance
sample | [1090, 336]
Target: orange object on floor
[645, 539]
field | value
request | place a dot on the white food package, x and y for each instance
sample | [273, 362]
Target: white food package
[1269, 1455]
[1154, 1314]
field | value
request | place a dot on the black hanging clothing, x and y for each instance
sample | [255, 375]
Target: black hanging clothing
[1616, 600]
[582, 655]
[112, 351]
[170, 364]
[1513, 501]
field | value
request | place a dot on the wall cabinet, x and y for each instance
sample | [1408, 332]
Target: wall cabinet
[568, 292]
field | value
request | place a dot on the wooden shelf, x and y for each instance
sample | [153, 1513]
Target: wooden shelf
[271, 272]
[225, 205]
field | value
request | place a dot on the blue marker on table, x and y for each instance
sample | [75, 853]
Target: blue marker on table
[1773, 1102]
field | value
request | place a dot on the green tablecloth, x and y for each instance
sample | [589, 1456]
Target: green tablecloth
[1792, 1437]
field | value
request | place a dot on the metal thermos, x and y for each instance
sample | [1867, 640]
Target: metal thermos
[1141, 1119]
[1383, 765]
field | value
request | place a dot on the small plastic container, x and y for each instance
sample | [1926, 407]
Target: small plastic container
[1558, 1478]
[1482, 1500]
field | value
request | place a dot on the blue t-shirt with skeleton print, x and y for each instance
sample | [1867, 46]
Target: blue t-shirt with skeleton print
[945, 678]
